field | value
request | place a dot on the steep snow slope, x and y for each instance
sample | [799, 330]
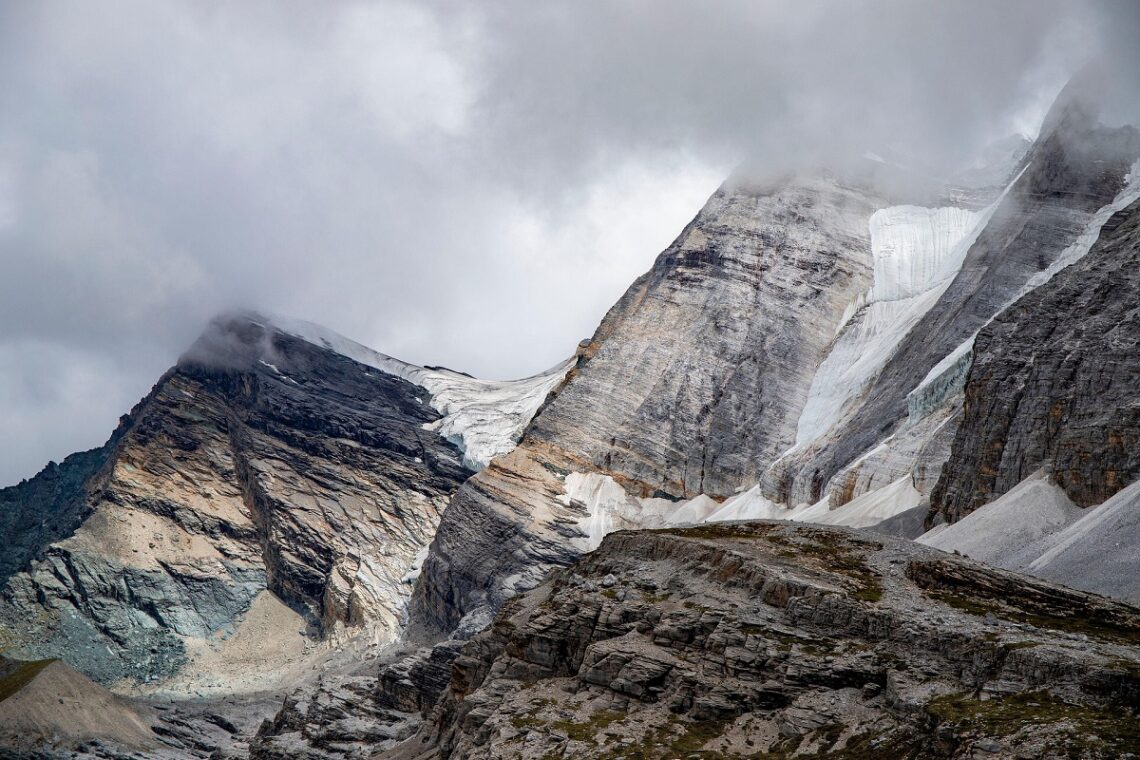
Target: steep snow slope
[916, 252]
[484, 418]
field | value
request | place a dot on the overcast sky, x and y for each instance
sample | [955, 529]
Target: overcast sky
[459, 183]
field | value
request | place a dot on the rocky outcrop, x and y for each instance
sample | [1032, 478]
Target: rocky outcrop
[354, 716]
[771, 640]
[260, 463]
[1053, 385]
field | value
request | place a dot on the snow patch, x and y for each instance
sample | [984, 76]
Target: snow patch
[916, 254]
[484, 418]
[943, 380]
[949, 375]
[417, 566]
[607, 507]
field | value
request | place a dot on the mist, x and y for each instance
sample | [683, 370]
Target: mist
[452, 183]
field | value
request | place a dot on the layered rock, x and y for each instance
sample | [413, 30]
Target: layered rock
[1053, 385]
[356, 715]
[260, 464]
[740, 640]
[692, 383]
[697, 376]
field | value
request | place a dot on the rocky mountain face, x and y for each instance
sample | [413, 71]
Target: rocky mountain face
[800, 352]
[263, 479]
[1054, 385]
[772, 640]
[292, 519]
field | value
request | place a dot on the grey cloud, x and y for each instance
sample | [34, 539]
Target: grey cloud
[453, 183]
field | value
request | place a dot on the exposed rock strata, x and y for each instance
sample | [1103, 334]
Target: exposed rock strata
[1054, 385]
[259, 462]
[692, 383]
[736, 640]
[696, 378]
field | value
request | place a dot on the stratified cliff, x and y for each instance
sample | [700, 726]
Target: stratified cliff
[260, 465]
[772, 640]
[693, 383]
[1054, 385]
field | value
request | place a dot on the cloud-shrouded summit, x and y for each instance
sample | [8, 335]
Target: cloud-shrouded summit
[451, 183]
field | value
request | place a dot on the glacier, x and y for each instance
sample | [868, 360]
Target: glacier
[916, 252]
[484, 418]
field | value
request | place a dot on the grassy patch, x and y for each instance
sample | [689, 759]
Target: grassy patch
[715, 531]
[839, 553]
[1087, 731]
[1078, 624]
[588, 730]
[17, 675]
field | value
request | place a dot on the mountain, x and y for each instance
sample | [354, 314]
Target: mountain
[296, 546]
[802, 345]
[280, 479]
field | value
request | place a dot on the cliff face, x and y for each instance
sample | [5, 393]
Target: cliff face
[261, 463]
[1053, 385]
[1076, 168]
[693, 382]
[696, 378]
[739, 640]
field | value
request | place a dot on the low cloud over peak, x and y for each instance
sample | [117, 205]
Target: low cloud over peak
[452, 183]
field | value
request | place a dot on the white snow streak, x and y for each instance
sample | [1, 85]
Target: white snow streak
[484, 418]
[607, 507]
[916, 253]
